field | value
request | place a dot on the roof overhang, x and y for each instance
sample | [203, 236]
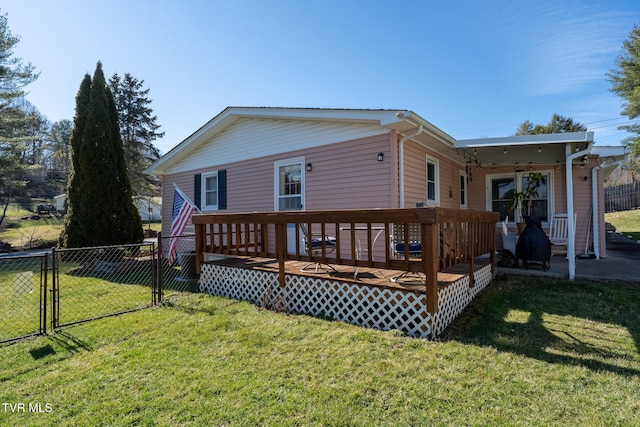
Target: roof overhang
[525, 149]
[401, 121]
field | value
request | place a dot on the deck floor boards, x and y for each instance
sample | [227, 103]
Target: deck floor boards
[345, 273]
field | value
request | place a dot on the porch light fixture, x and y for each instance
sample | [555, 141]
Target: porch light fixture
[380, 157]
[504, 151]
[539, 149]
[308, 167]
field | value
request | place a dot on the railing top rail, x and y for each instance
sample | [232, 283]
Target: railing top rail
[88, 248]
[428, 215]
[18, 255]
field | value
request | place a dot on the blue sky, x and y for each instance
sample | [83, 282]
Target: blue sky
[473, 68]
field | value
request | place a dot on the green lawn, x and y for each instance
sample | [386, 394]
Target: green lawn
[626, 222]
[22, 232]
[528, 351]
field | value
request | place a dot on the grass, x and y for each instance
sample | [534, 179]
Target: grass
[527, 351]
[626, 222]
[22, 232]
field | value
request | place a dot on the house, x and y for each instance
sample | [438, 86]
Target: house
[60, 203]
[359, 171]
[149, 208]
[275, 159]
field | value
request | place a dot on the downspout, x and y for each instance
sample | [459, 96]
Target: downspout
[571, 243]
[594, 201]
[401, 161]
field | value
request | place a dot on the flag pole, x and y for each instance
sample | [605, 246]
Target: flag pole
[184, 196]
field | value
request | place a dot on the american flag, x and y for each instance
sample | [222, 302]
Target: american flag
[182, 210]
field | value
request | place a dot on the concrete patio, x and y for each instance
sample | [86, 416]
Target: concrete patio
[621, 264]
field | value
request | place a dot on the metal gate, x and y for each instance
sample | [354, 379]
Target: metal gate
[23, 295]
[59, 287]
[90, 283]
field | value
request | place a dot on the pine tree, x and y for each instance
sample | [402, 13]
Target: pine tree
[102, 209]
[557, 124]
[14, 76]
[72, 235]
[625, 82]
[138, 129]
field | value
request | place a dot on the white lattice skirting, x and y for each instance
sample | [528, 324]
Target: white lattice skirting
[454, 298]
[356, 304]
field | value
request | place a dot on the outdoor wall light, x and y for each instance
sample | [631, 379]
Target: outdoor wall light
[380, 157]
[308, 167]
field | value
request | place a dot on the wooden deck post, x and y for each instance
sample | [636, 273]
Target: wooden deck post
[200, 237]
[473, 241]
[430, 262]
[281, 239]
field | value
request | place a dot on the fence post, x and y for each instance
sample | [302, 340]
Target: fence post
[55, 307]
[44, 272]
[159, 270]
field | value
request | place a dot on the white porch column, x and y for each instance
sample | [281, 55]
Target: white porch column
[571, 241]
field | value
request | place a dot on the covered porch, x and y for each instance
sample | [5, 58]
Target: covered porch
[353, 266]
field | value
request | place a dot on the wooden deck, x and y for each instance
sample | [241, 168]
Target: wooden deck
[366, 276]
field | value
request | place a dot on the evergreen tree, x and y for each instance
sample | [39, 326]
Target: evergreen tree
[59, 145]
[14, 76]
[102, 208]
[625, 82]
[558, 124]
[72, 235]
[138, 129]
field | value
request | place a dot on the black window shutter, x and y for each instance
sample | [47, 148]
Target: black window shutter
[222, 189]
[197, 192]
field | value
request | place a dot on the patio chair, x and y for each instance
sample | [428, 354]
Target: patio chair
[559, 232]
[411, 248]
[313, 245]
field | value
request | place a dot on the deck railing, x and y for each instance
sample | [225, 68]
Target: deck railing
[363, 238]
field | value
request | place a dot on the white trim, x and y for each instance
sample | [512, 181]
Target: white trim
[436, 162]
[550, 138]
[276, 180]
[465, 204]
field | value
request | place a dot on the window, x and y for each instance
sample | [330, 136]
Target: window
[289, 181]
[501, 191]
[433, 182]
[463, 189]
[502, 187]
[211, 190]
[539, 203]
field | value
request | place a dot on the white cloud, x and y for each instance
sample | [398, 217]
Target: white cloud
[570, 53]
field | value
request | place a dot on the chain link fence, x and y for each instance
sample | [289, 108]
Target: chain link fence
[178, 271]
[90, 283]
[59, 287]
[23, 296]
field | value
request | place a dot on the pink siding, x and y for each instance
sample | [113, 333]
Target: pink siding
[415, 190]
[345, 175]
[582, 207]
